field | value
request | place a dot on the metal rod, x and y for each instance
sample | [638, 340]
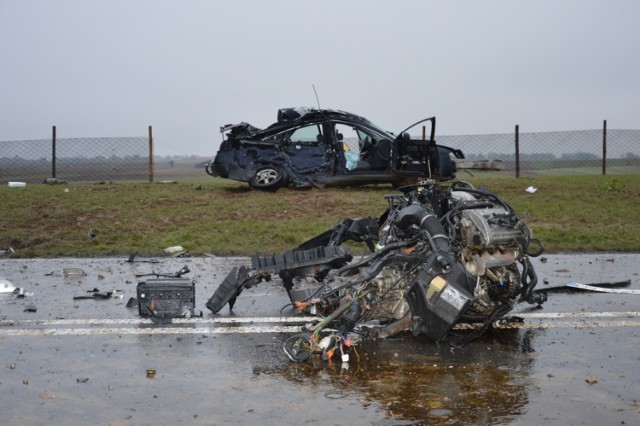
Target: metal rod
[517, 150]
[53, 153]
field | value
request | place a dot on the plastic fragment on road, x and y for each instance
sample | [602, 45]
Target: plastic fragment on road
[6, 286]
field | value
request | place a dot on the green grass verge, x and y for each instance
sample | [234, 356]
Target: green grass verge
[568, 213]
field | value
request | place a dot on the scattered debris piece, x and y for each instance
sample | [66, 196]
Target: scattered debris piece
[19, 292]
[6, 286]
[73, 272]
[603, 290]
[174, 249]
[151, 373]
[55, 181]
[606, 287]
[17, 184]
[31, 308]
[164, 297]
[100, 295]
[10, 250]
[177, 274]
[591, 381]
[46, 394]
[531, 189]
[132, 258]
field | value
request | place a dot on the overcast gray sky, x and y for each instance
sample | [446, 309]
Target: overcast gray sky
[114, 67]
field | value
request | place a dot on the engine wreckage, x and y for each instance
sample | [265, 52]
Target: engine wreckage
[441, 254]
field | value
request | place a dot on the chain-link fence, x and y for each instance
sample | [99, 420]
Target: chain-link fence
[75, 159]
[567, 152]
[600, 151]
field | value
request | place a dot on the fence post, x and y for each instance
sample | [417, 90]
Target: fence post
[517, 151]
[53, 153]
[604, 148]
[150, 154]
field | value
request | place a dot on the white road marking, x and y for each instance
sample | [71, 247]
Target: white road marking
[236, 325]
[570, 324]
[143, 331]
[139, 321]
[575, 314]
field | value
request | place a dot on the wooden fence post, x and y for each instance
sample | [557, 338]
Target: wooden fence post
[53, 153]
[150, 154]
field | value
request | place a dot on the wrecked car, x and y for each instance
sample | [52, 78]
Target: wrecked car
[319, 147]
[441, 254]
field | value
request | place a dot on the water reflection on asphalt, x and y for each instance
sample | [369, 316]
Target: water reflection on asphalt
[87, 361]
[481, 383]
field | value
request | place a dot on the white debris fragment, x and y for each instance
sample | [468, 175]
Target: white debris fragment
[531, 189]
[174, 249]
[6, 286]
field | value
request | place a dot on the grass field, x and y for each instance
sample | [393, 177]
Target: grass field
[207, 215]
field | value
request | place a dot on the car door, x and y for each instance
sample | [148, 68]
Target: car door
[308, 150]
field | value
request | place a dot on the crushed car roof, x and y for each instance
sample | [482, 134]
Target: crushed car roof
[288, 117]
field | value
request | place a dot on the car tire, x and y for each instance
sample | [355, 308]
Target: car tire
[268, 178]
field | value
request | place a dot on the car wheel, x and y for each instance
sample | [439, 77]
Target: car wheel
[268, 178]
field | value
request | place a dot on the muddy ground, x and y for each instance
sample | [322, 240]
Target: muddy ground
[89, 361]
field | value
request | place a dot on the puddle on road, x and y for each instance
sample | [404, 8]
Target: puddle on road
[414, 380]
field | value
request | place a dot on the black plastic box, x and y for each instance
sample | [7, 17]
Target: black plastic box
[167, 297]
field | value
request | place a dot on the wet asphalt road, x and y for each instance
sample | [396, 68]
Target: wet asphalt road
[576, 361]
